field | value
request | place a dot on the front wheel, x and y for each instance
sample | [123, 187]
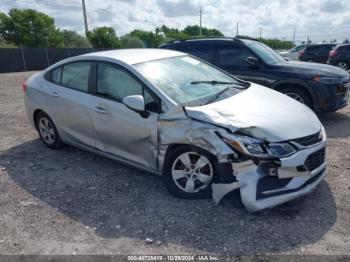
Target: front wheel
[343, 64]
[189, 172]
[298, 95]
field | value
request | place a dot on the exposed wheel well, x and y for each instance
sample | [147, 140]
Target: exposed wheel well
[173, 146]
[282, 86]
[35, 115]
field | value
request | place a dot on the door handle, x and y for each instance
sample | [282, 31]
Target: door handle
[55, 94]
[100, 110]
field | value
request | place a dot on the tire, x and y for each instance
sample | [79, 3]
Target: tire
[299, 95]
[195, 172]
[47, 131]
[344, 65]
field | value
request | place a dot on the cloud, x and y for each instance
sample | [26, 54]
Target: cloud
[318, 19]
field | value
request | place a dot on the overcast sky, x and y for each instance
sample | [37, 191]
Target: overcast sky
[320, 19]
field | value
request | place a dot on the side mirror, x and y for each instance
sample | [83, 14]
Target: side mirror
[135, 102]
[286, 58]
[253, 61]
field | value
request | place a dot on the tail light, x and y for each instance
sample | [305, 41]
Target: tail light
[333, 53]
[24, 86]
[301, 53]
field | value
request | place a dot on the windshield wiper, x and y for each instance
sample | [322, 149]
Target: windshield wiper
[213, 82]
[214, 97]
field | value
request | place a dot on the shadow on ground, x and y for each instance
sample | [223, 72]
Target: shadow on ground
[119, 201]
[332, 123]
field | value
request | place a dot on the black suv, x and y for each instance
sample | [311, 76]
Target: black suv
[316, 53]
[323, 88]
[340, 56]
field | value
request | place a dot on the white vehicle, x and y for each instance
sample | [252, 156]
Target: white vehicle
[293, 54]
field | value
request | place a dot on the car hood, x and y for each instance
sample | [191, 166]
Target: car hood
[313, 69]
[260, 112]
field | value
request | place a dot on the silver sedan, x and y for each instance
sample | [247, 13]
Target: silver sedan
[206, 132]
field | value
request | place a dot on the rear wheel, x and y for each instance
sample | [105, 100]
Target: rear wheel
[189, 172]
[47, 131]
[299, 95]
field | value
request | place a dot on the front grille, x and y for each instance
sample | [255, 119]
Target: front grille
[316, 159]
[309, 140]
[344, 87]
[272, 183]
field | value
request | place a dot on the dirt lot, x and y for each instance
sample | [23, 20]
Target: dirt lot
[73, 202]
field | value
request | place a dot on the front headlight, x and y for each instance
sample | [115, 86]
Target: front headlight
[281, 149]
[257, 147]
[246, 145]
[327, 80]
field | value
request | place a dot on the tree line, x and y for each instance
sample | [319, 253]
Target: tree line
[30, 28]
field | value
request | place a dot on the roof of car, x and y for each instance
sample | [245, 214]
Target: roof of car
[203, 39]
[137, 55]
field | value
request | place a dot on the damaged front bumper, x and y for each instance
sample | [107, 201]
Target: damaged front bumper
[296, 176]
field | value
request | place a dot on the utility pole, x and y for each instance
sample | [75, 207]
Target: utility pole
[200, 21]
[237, 29]
[294, 35]
[85, 18]
[260, 32]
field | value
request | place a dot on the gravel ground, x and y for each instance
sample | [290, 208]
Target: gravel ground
[73, 202]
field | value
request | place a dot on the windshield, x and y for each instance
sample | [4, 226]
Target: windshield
[189, 81]
[266, 53]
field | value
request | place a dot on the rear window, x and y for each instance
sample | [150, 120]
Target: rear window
[344, 48]
[56, 75]
[76, 75]
[320, 47]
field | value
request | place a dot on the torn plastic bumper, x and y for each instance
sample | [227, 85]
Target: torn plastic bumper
[260, 188]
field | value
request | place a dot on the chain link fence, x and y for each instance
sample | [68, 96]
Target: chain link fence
[30, 59]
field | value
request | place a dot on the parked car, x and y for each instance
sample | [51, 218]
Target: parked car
[168, 113]
[293, 54]
[323, 88]
[316, 53]
[340, 56]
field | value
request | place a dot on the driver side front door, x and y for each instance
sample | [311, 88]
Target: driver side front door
[120, 131]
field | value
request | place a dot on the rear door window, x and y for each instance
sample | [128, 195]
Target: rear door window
[232, 55]
[76, 75]
[201, 50]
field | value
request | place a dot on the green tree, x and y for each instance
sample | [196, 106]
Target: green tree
[73, 39]
[129, 41]
[103, 37]
[149, 39]
[30, 28]
[195, 31]
[273, 43]
[4, 44]
[172, 33]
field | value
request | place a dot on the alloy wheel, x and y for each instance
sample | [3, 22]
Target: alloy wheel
[192, 172]
[343, 65]
[46, 130]
[295, 96]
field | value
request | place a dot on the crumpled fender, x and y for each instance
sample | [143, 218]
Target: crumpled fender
[175, 127]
